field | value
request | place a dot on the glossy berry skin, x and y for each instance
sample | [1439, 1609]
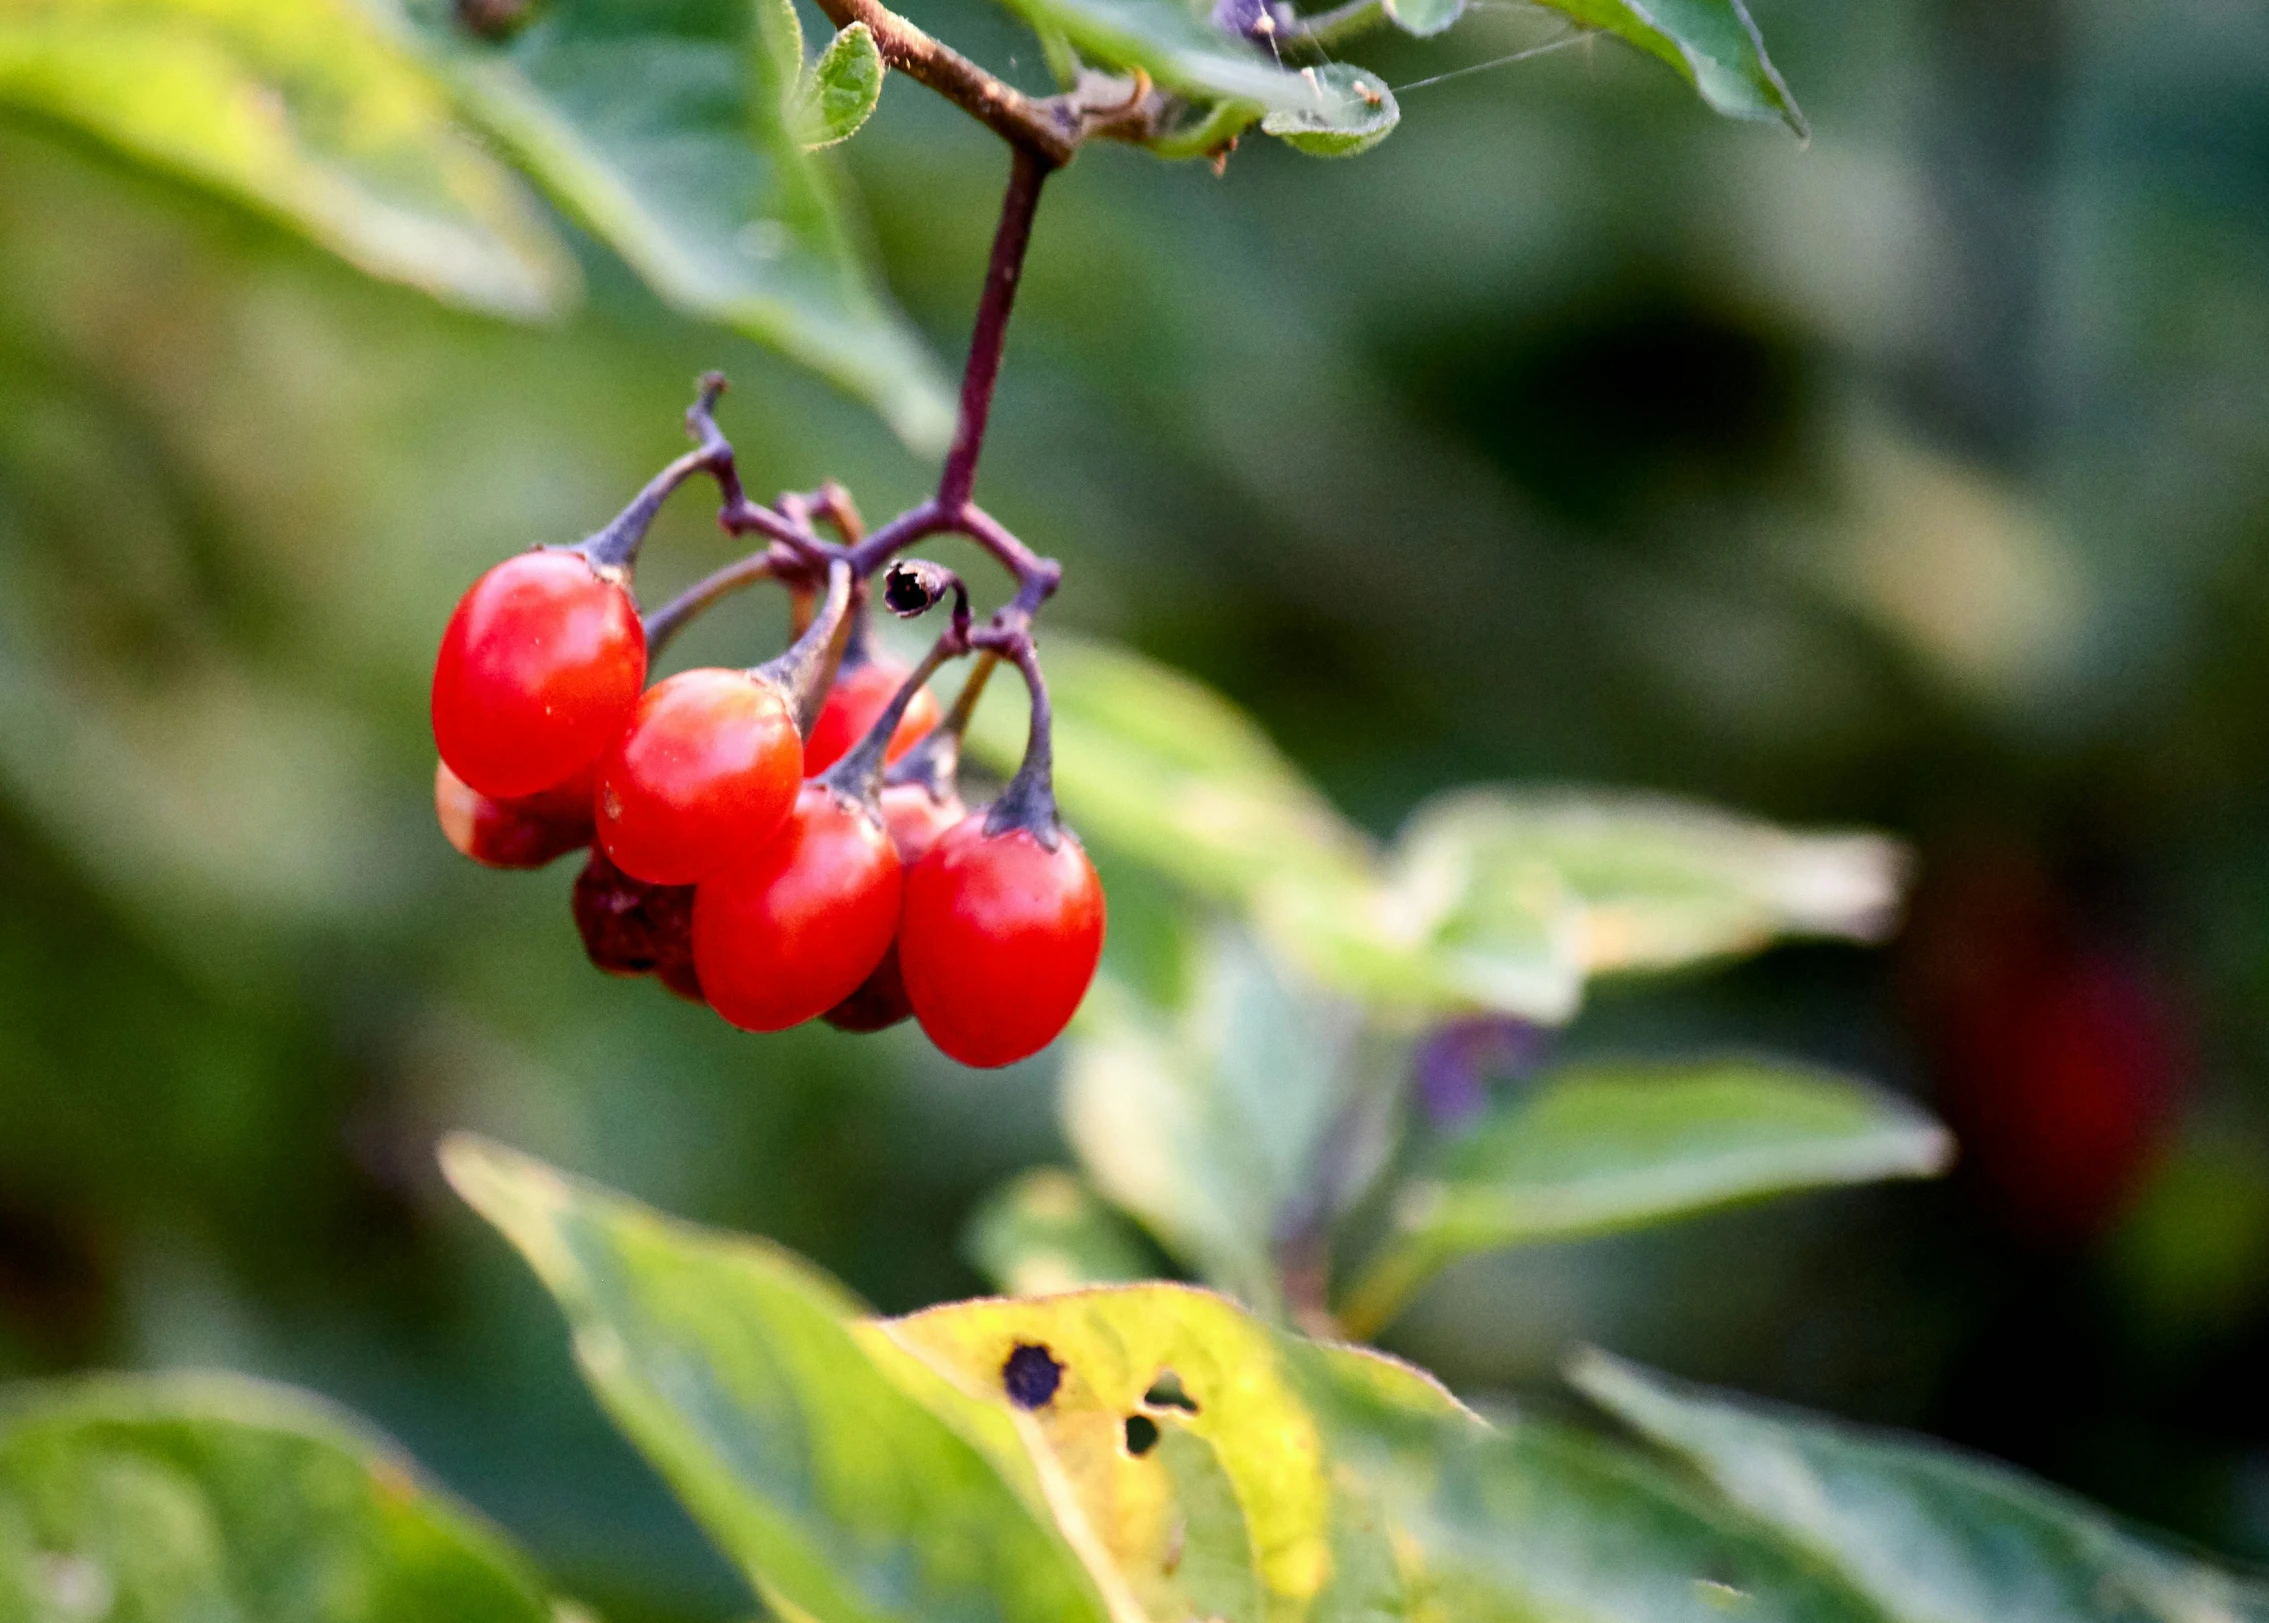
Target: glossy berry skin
[998, 940]
[539, 668]
[915, 821]
[632, 928]
[860, 695]
[793, 929]
[706, 770]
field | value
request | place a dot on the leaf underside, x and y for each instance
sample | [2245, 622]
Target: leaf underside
[671, 130]
[305, 113]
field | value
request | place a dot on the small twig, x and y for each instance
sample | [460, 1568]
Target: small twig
[834, 504]
[668, 620]
[615, 548]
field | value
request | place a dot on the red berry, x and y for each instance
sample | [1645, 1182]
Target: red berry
[523, 833]
[791, 930]
[632, 928]
[915, 820]
[706, 771]
[539, 669]
[858, 698]
[999, 939]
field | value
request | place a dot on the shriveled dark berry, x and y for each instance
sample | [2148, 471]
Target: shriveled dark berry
[632, 928]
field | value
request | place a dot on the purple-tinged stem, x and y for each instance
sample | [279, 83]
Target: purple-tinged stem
[668, 620]
[859, 774]
[935, 763]
[615, 548]
[1010, 240]
[1029, 801]
[807, 670]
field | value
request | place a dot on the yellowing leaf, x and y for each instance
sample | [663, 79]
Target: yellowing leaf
[1188, 1439]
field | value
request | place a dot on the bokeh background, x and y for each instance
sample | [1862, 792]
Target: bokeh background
[1918, 477]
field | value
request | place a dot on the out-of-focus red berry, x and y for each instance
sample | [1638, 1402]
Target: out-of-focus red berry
[998, 940]
[526, 832]
[706, 770]
[2058, 1056]
[538, 671]
[860, 695]
[792, 929]
[915, 819]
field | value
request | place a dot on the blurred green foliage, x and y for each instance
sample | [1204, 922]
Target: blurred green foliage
[1914, 478]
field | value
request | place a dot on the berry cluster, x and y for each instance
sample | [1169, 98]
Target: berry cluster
[787, 842]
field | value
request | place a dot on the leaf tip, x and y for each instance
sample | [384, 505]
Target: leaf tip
[520, 1196]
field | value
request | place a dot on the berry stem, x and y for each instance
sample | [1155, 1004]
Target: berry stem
[806, 671]
[935, 762]
[671, 618]
[859, 773]
[615, 548]
[1029, 801]
[1011, 239]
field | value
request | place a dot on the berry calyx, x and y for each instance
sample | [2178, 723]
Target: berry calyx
[707, 767]
[998, 939]
[793, 928]
[860, 694]
[525, 832]
[632, 928]
[538, 670]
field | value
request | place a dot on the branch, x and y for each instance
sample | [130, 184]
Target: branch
[1002, 272]
[1049, 130]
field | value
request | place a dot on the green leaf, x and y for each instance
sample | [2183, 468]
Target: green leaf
[1204, 1119]
[1599, 1148]
[305, 113]
[1533, 1520]
[1044, 1231]
[842, 88]
[1180, 48]
[1353, 112]
[1712, 42]
[1164, 770]
[670, 129]
[1492, 899]
[189, 1498]
[1929, 1534]
[845, 1486]
[1167, 771]
[1660, 882]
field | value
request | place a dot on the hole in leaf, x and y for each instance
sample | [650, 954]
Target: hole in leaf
[1166, 1393]
[1142, 1434]
[1030, 1375]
